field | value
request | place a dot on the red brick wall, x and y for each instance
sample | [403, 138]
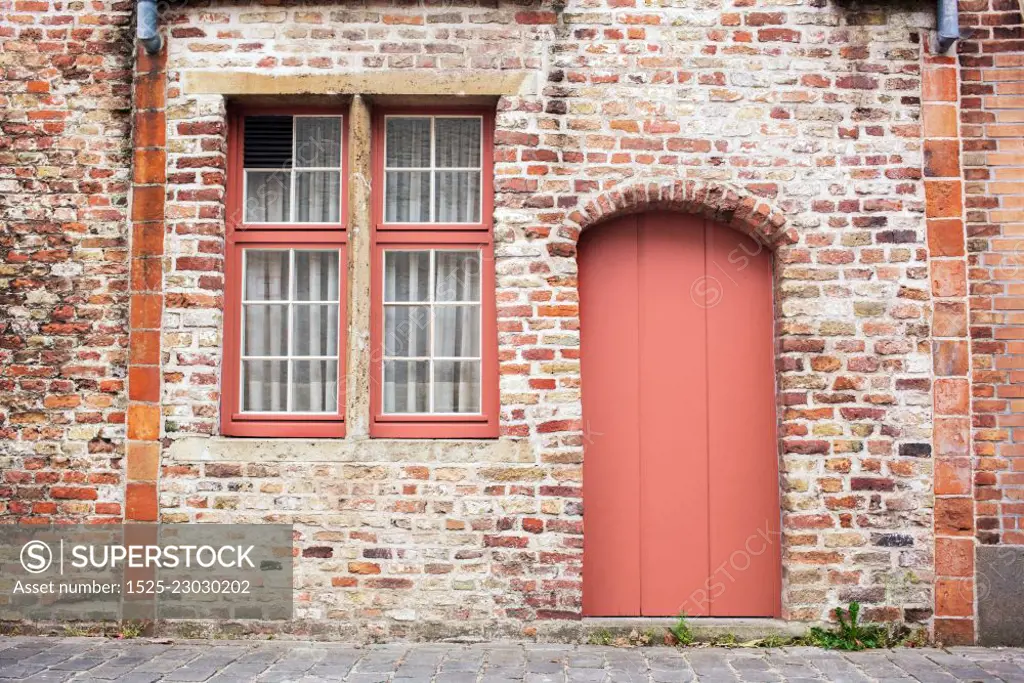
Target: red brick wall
[992, 116]
[65, 75]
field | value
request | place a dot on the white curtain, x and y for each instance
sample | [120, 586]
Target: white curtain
[456, 383]
[264, 380]
[419, 368]
[407, 192]
[317, 196]
[315, 327]
[305, 285]
[455, 194]
[407, 331]
[267, 196]
[317, 145]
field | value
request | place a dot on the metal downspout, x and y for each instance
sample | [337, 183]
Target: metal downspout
[949, 24]
[148, 26]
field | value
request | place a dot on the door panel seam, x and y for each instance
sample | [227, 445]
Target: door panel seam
[639, 415]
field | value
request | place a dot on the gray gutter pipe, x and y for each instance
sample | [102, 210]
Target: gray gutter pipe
[949, 24]
[148, 26]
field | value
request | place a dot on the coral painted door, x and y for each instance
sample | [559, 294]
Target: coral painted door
[680, 468]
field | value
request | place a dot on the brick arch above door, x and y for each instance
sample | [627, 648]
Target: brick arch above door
[720, 202]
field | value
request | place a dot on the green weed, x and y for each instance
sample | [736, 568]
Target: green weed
[681, 631]
[849, 634]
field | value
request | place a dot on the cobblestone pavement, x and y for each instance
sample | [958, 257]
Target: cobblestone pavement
[141, 661]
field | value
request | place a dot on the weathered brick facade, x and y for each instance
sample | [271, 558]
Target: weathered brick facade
[800, 122]
[65, 148]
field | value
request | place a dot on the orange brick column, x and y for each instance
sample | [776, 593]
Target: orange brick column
[148, 178]
[954, 505]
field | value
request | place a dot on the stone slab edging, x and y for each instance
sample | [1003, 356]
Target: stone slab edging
[227, 449]
[463, 83]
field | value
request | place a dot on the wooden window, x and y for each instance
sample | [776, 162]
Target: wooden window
[434, 330]
[284, 340]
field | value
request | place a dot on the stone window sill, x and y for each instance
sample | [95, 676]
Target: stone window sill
[237, 449]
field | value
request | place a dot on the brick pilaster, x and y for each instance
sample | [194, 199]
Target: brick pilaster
[954, 509]
[147, 250]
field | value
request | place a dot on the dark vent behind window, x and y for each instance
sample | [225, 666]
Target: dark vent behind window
[268, 141]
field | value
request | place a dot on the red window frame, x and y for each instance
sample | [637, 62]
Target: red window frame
[240, 236]
[453, 236]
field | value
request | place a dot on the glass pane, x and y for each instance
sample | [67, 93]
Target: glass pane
[408, 142]
[317, 196]
[406, 331]
[405, 386]
[315, 330]
[457, 331]
[314, 386]
[406, 275]
[456, 386]
[266, 275]
[318, 141]
[265, 331]
[457, 275]
[265, 386]
[457, 142]
[457, 197]
[267, 196]
[316, 276]
[407, 197]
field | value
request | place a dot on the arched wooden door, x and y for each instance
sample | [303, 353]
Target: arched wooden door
[680, 469]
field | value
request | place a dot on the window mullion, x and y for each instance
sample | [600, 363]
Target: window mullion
[480, 320]
[290, 331]
[292, 204]
[433, 163]
[241, 338]
[430, 318]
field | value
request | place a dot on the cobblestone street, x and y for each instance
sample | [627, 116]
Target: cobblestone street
[141, 661]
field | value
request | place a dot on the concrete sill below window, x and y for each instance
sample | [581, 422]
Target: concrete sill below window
[237, 449]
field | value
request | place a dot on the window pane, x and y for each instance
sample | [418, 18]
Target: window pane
[265, 385]
[266, 330]
[315, 330]
[314, 386]
[318, 141]
[457, 197]
[405, 386]
[456, 331]
[267, 196]
[445, 326]
[406, 331]
[266, 275]
[317, 196]
[456, 386]
[408, 197]
[458, 276]
[316, 276]
[457, 142]
[408, 142]
[406, 275]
